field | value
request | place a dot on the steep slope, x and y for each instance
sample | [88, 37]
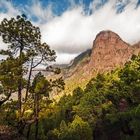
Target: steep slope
[76, 64]
[80, 58]
[136, 48]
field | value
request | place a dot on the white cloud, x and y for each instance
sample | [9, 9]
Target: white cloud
[68, 30]
[64, 58]
[37, 10]
[74, 31]
[9, 8]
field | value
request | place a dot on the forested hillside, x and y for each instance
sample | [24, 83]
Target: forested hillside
[107, 109]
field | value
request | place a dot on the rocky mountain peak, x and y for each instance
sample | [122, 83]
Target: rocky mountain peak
[108, 52]
[108, 39]
[107, 36]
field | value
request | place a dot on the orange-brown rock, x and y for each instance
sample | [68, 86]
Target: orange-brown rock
[109, 51]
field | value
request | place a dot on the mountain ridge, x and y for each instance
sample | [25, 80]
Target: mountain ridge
[108, 52]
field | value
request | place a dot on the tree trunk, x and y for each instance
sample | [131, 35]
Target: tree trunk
[20, 123]
[28, 82]
[36, 115]
[28, 86]
[20, 79]
[28, 131]
[19, 101]
[36, 130]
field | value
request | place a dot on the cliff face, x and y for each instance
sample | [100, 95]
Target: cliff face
[109, 51]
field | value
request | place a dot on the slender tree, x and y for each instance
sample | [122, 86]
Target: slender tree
[41, 88]
[25, 47]
[21, 36]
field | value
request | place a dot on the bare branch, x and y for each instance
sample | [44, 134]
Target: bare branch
[38, 63]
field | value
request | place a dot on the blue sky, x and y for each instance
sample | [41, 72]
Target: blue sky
[59, 5]
[70, 26]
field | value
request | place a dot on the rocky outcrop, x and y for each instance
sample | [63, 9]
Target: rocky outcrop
[109, 51]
